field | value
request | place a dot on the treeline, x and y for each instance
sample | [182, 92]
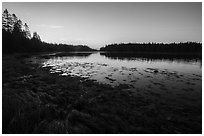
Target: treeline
[16, 37]
[185, 47]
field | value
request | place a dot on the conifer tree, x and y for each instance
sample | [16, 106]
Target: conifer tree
[36, 36]
[14, 20]
[6, 21]
[17, 27]
[27, 31]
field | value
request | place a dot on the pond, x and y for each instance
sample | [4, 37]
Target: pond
[160, 75]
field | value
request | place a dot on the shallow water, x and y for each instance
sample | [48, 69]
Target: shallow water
[157, 76]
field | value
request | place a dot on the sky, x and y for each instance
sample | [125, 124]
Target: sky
[98, 24]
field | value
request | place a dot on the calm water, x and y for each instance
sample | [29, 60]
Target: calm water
[155, 74]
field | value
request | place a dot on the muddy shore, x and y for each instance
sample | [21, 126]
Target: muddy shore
[35, 101]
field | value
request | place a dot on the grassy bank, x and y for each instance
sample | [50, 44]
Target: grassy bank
[35, 101]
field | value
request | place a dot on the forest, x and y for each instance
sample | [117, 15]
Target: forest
[16, 38]
[182, 47]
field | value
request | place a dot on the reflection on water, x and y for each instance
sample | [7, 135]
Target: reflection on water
[153, 56]
[156, 74]
[183, 58]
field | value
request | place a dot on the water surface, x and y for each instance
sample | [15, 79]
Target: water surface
[159, 75]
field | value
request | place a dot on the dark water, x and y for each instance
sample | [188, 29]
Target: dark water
[160, 75]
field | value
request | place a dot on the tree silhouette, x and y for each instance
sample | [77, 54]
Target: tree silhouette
[17, 27]
[7, 21]
[36, 36]
[27, 31]
[186, 47]
[16, 37]
[14, 20]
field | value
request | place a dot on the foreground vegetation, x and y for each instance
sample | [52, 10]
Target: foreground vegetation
[35, 101]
